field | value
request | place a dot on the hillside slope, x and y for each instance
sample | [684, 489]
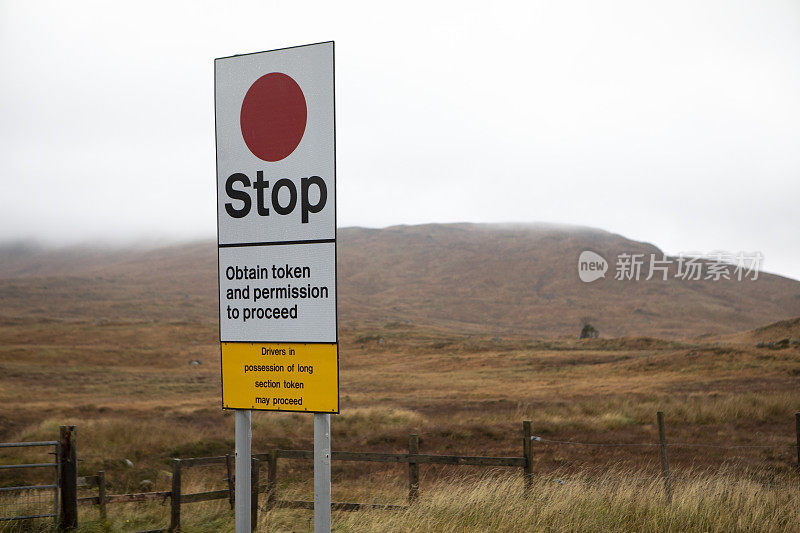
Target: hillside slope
[787, 331]
[501, 278]
[524, 278]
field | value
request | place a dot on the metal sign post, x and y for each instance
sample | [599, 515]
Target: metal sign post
[276, 236]
[243, 438]
[322, 473]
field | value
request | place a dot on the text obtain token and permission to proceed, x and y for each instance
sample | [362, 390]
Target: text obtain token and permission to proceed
[252, 293]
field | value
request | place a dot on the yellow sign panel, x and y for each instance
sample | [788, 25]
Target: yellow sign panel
[280, 377]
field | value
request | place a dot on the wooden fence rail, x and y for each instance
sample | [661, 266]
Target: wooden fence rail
[270, 459]
[69, 482]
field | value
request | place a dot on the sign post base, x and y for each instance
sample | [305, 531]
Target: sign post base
[322, 473]
[243, 453]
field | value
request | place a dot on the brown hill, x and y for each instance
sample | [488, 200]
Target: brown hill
[519, 279]
[524, 279]
[776, 335]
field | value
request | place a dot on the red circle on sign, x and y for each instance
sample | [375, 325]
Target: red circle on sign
[273, 117]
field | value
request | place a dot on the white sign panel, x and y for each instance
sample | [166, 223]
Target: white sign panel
[276, 195]
[280, 293]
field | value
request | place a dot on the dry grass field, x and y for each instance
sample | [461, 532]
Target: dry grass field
[129, 389]
[103, 348]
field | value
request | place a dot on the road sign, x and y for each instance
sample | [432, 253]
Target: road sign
[276, 220]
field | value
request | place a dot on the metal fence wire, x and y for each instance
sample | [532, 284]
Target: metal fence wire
[29, 498]
[28, 506]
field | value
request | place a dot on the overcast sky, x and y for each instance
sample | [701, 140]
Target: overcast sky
[676, 123]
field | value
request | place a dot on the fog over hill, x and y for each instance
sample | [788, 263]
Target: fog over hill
[502, 278]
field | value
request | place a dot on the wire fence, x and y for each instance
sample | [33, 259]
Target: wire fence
[25, 506]
[26, 510]
[30, 492]
[663, 446]
[668, 445]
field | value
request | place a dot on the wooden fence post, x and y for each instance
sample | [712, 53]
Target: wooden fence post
[527, 452]
[253, 494]
[230, 479]
[101, 493]
[272, 478]
[69, 478]
[413, 469]
[175, 500]
[797, 429]
[662, 438]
